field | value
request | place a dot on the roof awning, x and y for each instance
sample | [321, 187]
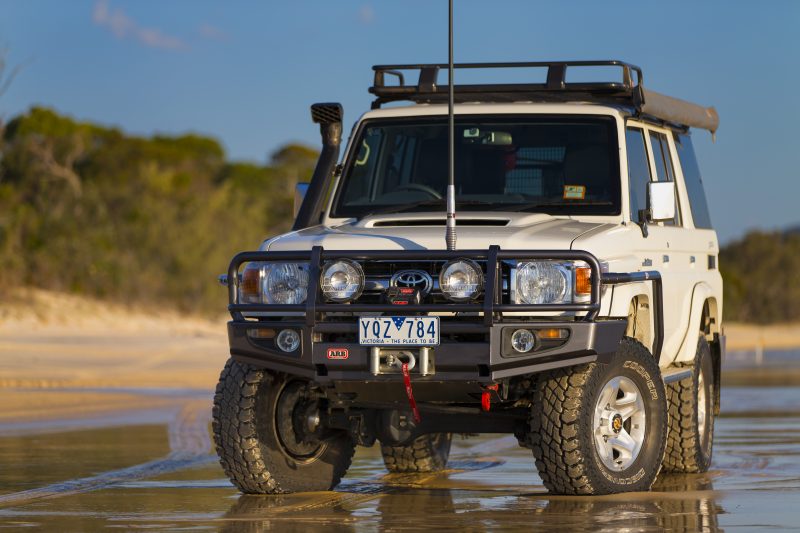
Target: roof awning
[679, 111]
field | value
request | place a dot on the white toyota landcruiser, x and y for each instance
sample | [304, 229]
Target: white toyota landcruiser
[580, 308]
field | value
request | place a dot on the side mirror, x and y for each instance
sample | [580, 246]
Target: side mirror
[300, 191]
[661, 200]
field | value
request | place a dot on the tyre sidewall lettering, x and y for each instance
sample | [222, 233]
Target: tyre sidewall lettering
[619, 480]
[639, 369]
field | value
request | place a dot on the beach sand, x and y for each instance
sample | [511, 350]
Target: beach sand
[57, 342]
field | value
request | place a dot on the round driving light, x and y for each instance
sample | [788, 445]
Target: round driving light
[543, 282]
[288, 340]
[286, 283]
[523, 340]
[342, 281]
[461, 280]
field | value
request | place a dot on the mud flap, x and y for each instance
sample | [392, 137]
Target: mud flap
[717, 354]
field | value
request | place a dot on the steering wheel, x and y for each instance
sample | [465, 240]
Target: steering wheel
[421, 188]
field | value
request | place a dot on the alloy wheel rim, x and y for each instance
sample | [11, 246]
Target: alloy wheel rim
[619, 423]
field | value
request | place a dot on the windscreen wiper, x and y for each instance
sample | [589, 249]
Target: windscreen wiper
[425, 203]
[540, 205]
[406, 207]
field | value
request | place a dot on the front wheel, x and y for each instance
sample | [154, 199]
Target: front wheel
[600, 428]
[266, 429]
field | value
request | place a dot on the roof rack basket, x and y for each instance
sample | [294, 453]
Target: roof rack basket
[628, 90]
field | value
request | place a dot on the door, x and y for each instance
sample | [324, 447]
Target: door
[664, 248]
[674, 260]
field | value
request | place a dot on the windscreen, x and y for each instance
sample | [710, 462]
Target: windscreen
[559, 165]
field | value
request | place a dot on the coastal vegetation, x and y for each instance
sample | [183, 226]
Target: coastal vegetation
[90, 210]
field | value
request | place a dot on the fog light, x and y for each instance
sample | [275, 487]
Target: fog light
[523, 340]
[288, 340]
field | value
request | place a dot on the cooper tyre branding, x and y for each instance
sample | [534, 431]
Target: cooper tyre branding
[620, 480]
[639, 369]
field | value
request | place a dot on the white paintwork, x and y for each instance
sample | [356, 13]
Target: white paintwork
[679, 253]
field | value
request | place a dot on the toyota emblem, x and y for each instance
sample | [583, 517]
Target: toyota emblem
[415, 279]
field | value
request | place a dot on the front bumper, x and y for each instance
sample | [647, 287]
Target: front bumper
[480, 362]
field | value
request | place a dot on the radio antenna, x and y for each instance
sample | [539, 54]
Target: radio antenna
[450, 230]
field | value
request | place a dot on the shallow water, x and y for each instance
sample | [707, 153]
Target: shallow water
[157, 477]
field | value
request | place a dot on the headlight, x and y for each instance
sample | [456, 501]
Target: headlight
[286, 283]
[342, 281]
[543, 282]
[461, 280]
[274, 283]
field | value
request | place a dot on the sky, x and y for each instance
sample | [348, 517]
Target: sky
[245, 72]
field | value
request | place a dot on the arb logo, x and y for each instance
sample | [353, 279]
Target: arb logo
[338, 353]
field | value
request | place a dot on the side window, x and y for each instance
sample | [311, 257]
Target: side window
[638, 171]
[694, 182]
[664, 170]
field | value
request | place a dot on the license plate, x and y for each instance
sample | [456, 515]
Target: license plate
[398, 330]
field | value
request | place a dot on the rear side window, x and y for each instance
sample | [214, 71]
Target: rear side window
[664, 170]
[638, 171]
[694, 182]
[661, 154]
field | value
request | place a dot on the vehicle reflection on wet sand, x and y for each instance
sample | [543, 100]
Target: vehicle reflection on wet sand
[132, 477]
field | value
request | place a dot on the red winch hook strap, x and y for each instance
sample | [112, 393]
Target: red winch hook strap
[410, 393]
[486, 398]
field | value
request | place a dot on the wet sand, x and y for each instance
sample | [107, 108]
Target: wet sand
[161, 475]
[105, 424]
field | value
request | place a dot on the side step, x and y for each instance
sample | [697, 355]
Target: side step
[676, 373]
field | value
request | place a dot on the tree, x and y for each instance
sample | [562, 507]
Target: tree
[88, 209]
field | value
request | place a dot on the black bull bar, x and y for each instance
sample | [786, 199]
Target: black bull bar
[590, 338]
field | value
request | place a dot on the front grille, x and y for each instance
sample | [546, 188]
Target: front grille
[378, 276]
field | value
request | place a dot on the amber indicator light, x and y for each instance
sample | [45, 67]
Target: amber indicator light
[261, 333]
[583, 280]
[250, 279]
[552, 333]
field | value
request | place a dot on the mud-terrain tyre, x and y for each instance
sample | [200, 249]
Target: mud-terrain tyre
[690, 437]
[600, 428]
[426, 453]
[260, 447]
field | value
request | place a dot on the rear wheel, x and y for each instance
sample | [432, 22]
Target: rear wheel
[691, 416]
[426, 453]
[267, 433]
[600, 428]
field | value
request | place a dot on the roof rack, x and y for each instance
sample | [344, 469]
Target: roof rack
[629, 91]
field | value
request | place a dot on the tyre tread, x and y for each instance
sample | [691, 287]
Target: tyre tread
[419, 456]
[683, 453]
